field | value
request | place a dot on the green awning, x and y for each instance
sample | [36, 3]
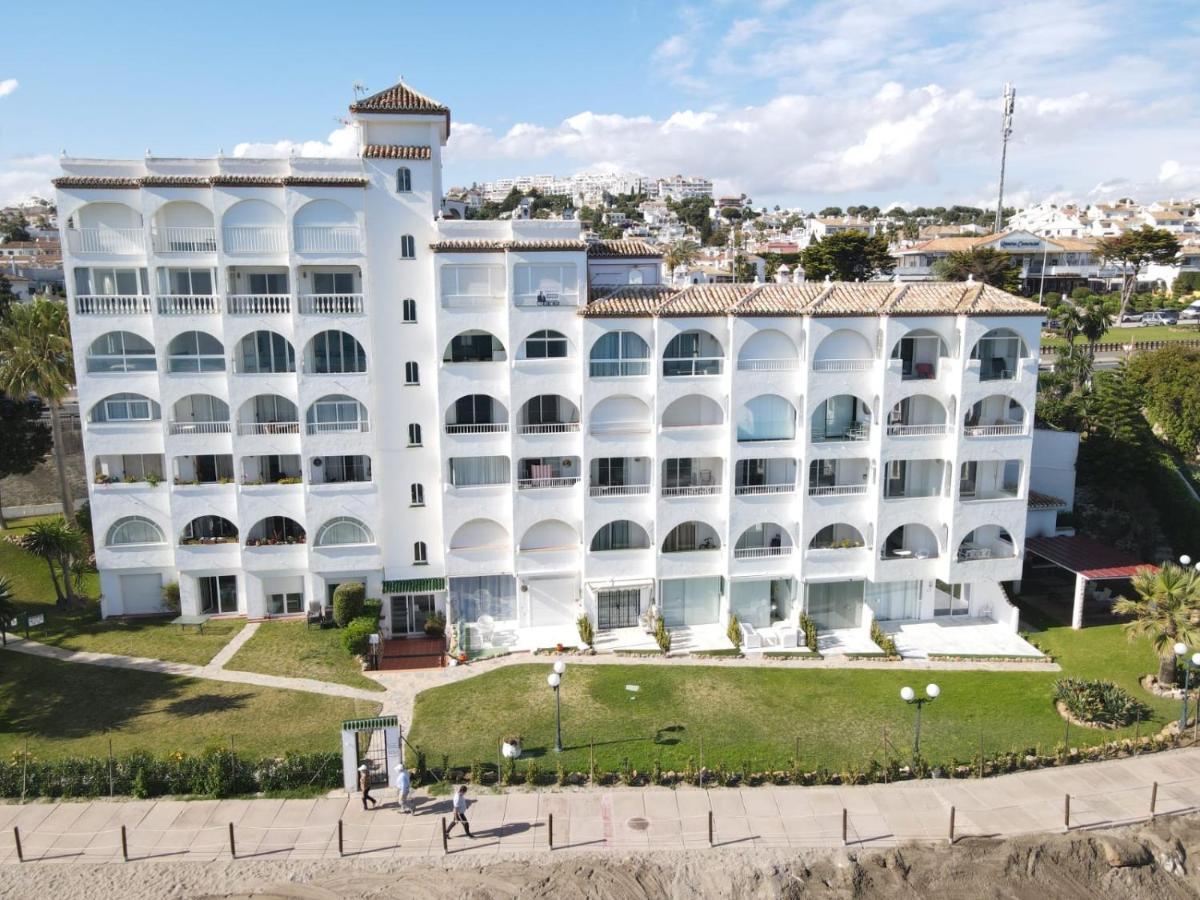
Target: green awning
[414, 585]
[370, 724]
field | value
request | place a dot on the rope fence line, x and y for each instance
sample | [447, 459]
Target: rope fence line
[837, 827]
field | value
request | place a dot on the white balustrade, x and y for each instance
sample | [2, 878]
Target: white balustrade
[994, 430]
[781, 488]
[113, 241]
[188, 304]
[199, 428]
[843, 365]
[692, 366]
[760, 552]
[268, 428]
[328, 239]
[618, 490]
[332, 304]
[483, 428]
[185, 239]
[915, 430]
[526, 484]
[546, 298]
[695, 490]
[768, 365]
[338, 427]
[111, 304]
[836, 490]
[254, 239]
[259, 304]
[618, 368]
[551, 428]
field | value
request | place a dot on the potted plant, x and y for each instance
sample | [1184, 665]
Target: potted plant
[510, 747]
[462, 658]
[435, 625]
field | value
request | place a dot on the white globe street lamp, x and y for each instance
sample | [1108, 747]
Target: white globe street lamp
[554, 679]
[909, 696]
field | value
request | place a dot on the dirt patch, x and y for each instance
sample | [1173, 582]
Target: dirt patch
[41, 485]
[1149, 861]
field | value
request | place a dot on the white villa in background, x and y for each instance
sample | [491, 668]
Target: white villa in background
[332, 384]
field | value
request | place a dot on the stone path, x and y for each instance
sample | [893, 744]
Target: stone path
[1102, 794]
[219, 661]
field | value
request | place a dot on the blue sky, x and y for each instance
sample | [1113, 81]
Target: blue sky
[793, 102]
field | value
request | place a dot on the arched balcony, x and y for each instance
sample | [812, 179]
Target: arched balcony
[254, 226]
[918, 354]
[764, 476]
[693, 353]
[989, 479]
[268, 414]
[265, 353]
[767, 417]
[687, 537]
[987, 542]
[336, 414]
[116, 409]
[209, 530]
[768, 350]
[693, 411]
[275, 530]
[547, 535]
[841, 418]
[621, 534]
[838, 536]
[914, 478]
[998, 354]
[195, 352]
[182, 226]
[200, 414]
[119, 352]
[844, 351]
[691, 476]
[548, 414]
[480, 534]
[915, 541]
[838, 477]
[477, 414]
[334, 353]
[474, 346]
[761, 540]
[994, 416]
[111, 229]
[917, 416]
[620, 415]
[326, 226]
[619, 354]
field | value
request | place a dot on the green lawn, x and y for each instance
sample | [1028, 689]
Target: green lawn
[757, 715]
[73, 709]
[83, 629]
[1133, 335]
[295, 650]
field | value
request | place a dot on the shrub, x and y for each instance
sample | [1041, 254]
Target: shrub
[1098, 702]
[661, 636]
[349, 602]
[586, 633]
[883, 640]
[809, 627]
[734, 631]
[356, 637]
[372, 609]
[435, 625]
[170, 596]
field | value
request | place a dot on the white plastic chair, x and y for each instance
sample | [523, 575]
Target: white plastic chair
[486, 626]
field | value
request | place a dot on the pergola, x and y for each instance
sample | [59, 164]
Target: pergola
[1089, 560]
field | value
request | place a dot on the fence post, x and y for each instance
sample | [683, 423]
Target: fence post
[952, 825]
[445, 841]
[110, 768]
[551, 818]
[1137, 734]
[980, 752]
[702, 762]
[1066, 812]
[1153, 799]
[845, 827]
[710, 828]
[232, 845]
[17, 841]
[341, 840]
[124, 845]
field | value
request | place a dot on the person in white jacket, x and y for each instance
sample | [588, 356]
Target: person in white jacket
[404, 786]
[458, 803]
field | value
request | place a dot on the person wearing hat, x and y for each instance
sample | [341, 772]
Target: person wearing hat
[404, 786]
[458, 803]
[364, 785]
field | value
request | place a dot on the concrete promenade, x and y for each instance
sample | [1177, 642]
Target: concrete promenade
[1101, 794]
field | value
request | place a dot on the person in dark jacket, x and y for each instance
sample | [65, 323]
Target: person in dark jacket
[364, 785]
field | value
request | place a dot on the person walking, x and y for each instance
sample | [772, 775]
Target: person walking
[364, 785]
[458, 803]
[404, 786]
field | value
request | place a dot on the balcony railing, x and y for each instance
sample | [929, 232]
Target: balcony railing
[785, 487]
[971, 494]
[328, 239]
[254, 239]
[472, 301]
[482, 428]
[994, 430]
[332, 304]
[836, 490]
[185, 239]
[268, 427]
[858, 432]
[188, 304]
[259, 304]
[113, 241]
[618, 490]
[546, 298]
[768, 365]
[112, 304]
[692, 366]
[618, 368]
[628, 427]
[999, 550]
[843, 365]
[760, 552]
[551, 428]
[915, 430]
[694, 490]
[529, 484]
[338, 427]
[199, 427]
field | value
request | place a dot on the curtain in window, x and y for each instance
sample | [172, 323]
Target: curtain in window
[894, 600]
[474, 470]
[491, 595]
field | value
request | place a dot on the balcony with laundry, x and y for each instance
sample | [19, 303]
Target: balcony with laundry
[547, 472]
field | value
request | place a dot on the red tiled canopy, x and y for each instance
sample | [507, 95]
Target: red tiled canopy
[1086, 556]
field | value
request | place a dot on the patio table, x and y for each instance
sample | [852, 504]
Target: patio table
[184, 621]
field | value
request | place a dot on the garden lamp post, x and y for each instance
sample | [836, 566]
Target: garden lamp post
[908, 695]
[1181, 650]
[554, 679]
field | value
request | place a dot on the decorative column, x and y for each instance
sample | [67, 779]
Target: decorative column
[1081, 584]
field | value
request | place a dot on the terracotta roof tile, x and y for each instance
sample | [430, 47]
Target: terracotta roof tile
[626, 301]
[986, 300]
[174, 181]
[94, 181]
[618, 249]
[849, 298]
[1038, 500]
[396, 151]
[325, 181]
[246, 181]
[400, 98]
[779, 299]
[705, 300]
[927, 298]
[488, 245]
[551, 244]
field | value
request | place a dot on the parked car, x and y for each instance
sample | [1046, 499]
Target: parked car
[1161, 317]
[1191, 313]
[1131, 319]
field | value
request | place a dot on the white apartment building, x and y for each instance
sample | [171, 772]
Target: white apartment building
[332, 384]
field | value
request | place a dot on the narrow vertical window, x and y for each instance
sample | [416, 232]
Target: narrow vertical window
[403, 180]
[414, 435]
[410, 310]
[417, 492]
[412, 373]
[408, 247]
[420, 554]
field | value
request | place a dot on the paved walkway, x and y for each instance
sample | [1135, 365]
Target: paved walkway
[1102, 794]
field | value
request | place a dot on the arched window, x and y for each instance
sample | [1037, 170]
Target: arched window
[474, 346]
[265, 352]
[336, 412]
[620, 535]
[414, 435]
[134, 530]
[545, 344]
[408, 247]
[209, 530]
[619, 353]
[403, 180]
[412, 373]
[343, 530]
[195, 351]
[417, 494]
[125, 408]
[336, 353]
[410, 310]
[120, 351]
[420, 554]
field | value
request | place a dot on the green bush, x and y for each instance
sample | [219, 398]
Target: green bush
[734, 631]
[1098, 702]
[810, 632]
[883, 640]
[661, 636]
[170, 596]
[435, 625]
[356, 636]
[349, 602]
[586, 633]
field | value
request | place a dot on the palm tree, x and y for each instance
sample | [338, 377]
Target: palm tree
[36, 358]
[58, 544]
[1165, 611]
[8, 609]
[1072, 324]
[680, 253]
[1092, 325]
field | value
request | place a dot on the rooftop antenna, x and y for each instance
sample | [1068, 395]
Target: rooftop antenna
[1010, 96]
[360, 89]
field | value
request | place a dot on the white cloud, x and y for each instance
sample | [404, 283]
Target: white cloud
[22, 177]
[7, 86]
[342, 142]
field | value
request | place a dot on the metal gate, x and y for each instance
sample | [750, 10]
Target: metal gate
[618, 609]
